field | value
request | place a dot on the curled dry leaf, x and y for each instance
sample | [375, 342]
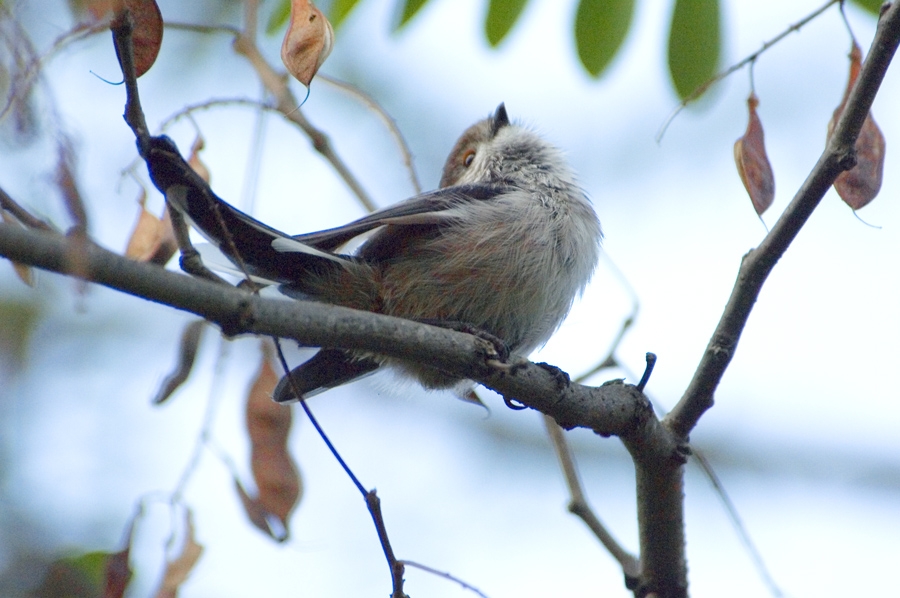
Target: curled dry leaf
[307, 42]
[148, 33]
[753, 163]
[152, 239]
[177, 570]
[146, 232]
[24, 272]
[861, 184]
[148, 27]
[187, 353]
[268, 424]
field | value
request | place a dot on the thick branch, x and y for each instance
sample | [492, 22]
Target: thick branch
[612, 409]
[839, 155]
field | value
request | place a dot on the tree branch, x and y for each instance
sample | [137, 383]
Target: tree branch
[612, 409]
[839, 155]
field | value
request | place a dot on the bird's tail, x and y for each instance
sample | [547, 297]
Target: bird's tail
[255, 248]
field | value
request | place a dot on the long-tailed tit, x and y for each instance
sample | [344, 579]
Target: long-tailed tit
[504, 246]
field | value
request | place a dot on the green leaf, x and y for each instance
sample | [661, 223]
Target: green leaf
[410, 8]
[279, 17]
[501, 16]
[600, 29]
[694, 44]
[339, 11]
[872, 6]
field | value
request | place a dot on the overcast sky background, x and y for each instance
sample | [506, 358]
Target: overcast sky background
[805, 430]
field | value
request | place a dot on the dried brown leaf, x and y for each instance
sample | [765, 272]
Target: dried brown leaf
[145, 236]
[269, 424]
[255, 511]
[187, 353]
[177, 570]
[753, 163]
[168, 244]
[148, 33]
[148, 27]
[307, 42]
[152, 239]
[861, 184]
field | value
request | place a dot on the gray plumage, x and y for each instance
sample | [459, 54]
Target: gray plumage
[504, 246]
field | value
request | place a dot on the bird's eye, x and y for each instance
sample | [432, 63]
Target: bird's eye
[468, 157]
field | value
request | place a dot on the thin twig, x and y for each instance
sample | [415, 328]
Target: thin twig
[286, 102]
[446, 576]
[276, 84]
[25, 77]
[737, 523]
[739, 65]
[22, 215]
[610, 360]
[373, 503]
[579, 506]
[213, 400]
[386, 118]
[122, 28]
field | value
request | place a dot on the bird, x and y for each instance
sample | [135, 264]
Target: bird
[503, 246]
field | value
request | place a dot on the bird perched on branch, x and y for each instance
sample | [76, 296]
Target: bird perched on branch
[503, 247]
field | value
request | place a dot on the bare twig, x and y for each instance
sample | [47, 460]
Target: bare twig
[288, 105]
[373, 503]
[447, 576]
[700, 459]
[122, 28]
[739, 65]
[579, 506]
[838, 156]
[610, 360]
[285, 101]
[25, 77]
[21, 214]
[389, 122]
[275, 83]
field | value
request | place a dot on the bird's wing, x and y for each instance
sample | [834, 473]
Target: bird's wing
[268, 253]
[432, 207]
